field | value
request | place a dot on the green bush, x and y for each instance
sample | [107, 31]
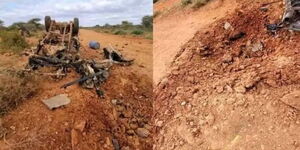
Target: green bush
[137, 32]
[12, 40]
[120, 32]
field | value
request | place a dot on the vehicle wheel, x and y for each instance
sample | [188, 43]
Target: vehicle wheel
[75, 27]
[47, 23]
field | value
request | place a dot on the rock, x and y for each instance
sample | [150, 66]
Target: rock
[114, 101]
[80, 125]
[257, 46]
[142, 132]
[240, 89]
[159, 123]
[57, 101]
[227, 26]
[210, 119]
[116, 144]
[292, 99]
[133, 126]
[227, 58]
[74, 139]
[183, 103]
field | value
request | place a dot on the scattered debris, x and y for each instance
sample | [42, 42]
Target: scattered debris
[94, 45]
[142, 132]
[292, 99]
[57, 101]
[237, 36]
[80, 125]
[116, 144]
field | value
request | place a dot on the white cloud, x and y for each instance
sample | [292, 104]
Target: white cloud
[89, 12]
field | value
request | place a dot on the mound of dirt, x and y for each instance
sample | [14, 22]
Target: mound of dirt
[232, 89]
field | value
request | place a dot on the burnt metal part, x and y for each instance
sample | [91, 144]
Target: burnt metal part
[290, 19]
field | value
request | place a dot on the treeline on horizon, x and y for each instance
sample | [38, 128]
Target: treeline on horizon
[128, 28]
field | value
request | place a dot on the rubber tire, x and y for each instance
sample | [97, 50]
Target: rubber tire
[47, 23]
[75, 27]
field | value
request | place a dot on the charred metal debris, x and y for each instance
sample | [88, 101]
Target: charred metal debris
[290, 19]
[60, 47]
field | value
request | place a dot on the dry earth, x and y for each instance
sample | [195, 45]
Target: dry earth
[241, 94]
[88, 122]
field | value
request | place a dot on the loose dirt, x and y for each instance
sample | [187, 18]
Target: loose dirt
[227, 95]
[89, 122]
[177, 25]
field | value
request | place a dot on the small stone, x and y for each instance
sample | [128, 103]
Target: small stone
[227, 58]
[227, 26]
[240, 89]
[159, 123]
[183, 103]
[80, 125]
[114, 101]
[231, 100]
[130, 132]
[13, 128]
[142, 132]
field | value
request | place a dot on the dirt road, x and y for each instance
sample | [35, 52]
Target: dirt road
[88, 122]
[175, 28]
[224, 94]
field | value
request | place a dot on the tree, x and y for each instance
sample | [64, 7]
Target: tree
[126, 24]
[147, 22]
[34, 21]
[1, 23]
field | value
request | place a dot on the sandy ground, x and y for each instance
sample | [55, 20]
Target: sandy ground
[226, 94]
[176, 26]
[88, 122]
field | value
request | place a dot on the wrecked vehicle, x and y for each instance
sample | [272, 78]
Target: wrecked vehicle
[291, 17]
[59, 49]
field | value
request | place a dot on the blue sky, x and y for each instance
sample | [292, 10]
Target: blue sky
[89, 12]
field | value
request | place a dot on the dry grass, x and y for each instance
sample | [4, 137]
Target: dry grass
[194, 3]
[15, 87]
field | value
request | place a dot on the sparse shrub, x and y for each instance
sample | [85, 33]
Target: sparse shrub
[120, 32]
[12, 40]
[186, 2]
[137, 32]
[15, 87]
[199, 3]
[147, 22]
[157, 13]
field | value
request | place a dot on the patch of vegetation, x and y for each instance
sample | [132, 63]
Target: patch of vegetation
[137, 32]
[120, 32]
[199, 3]
[128, 28]
[194, 3]
[11, 40]
[15, 87]
[186, 2]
